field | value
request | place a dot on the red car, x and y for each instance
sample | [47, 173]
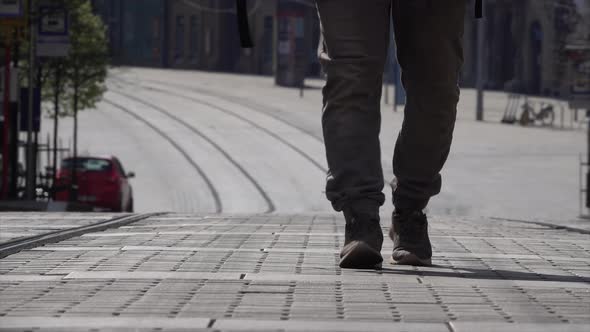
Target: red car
[102, 183]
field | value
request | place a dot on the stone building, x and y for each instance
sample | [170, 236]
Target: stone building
[197, 34]
[524, 48]
[203, 34]
[136, 30]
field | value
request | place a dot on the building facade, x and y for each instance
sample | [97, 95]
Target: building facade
[524, 46]
[136, 30]
[197, 34]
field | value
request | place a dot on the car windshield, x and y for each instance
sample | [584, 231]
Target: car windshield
[88, 164]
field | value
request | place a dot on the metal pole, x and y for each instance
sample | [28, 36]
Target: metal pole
[588, 152]
[480, 68]
[301, 88]
[35, 162]
[14, 151]
[74, 182]
[7, 120]
[30, 193]
[588, 168]
[55, 124]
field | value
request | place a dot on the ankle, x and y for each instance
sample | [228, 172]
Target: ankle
[365, 209]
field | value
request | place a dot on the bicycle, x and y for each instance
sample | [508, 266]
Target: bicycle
[546, 114]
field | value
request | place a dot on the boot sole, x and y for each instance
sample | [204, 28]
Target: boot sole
[361, 256]
[411, 259]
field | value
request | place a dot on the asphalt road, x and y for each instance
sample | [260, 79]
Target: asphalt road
[207, 143]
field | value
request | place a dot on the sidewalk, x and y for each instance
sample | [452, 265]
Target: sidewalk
[279, 272]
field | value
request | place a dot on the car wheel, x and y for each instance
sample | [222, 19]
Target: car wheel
[130, 206]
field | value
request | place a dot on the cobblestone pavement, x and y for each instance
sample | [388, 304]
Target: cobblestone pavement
[180, 272]
[16, 225]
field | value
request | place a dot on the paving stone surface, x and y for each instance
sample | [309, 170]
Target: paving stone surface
[180, 272]
[17, 225]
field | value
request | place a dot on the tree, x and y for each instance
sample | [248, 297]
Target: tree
[77, 82]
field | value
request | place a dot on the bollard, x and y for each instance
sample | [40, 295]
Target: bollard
[561, 116]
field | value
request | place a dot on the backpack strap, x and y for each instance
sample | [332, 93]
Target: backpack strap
[478, 8]
[243, 25]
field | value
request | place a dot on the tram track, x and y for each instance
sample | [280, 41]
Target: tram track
[214, 192]
[265, 196]
[267, 131]
[13, 246]
[250, 104]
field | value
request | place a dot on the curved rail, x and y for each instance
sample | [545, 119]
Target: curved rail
[263, 193]
[252, 105]
[252, 123]
[14, 246]
[210, 186]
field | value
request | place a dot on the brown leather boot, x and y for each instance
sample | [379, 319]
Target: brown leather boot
[411, 245]
[363, 239]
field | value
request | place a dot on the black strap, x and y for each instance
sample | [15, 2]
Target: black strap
[478, 8]
[243, 26]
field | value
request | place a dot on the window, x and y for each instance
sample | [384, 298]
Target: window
[119, 167]
[179, 38]
[88, 164]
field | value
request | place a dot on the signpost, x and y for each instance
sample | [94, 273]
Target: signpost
[11, 9]
[24, 101]
[53, 34]
[11, 17]
[577, 50]
[291, 52]
[578, 82]
[579, 78]
[54, 42]
[48, 24]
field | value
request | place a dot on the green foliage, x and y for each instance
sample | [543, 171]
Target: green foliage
[83, 72]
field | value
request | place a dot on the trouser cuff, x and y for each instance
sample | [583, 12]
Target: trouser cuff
[409, 204]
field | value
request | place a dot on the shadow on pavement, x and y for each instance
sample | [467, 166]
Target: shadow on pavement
[472, 273]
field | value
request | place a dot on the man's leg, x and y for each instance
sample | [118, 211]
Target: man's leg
[355, 41]
[429, 41]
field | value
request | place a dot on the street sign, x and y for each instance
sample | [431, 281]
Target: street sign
[24, 100]
[11, 8]
[53, 36]
[11, 16]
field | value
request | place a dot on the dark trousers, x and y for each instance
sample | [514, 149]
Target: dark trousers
[355, 33]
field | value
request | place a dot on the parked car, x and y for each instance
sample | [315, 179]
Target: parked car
[101, 183]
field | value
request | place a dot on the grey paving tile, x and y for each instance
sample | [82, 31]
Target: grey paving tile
[14, 226]
[493, 327]
[280, 269]
[28, 277]
[302, 325]
[102, 323]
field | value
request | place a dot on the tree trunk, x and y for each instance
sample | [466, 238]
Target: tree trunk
[55, 126]
[74, 192]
